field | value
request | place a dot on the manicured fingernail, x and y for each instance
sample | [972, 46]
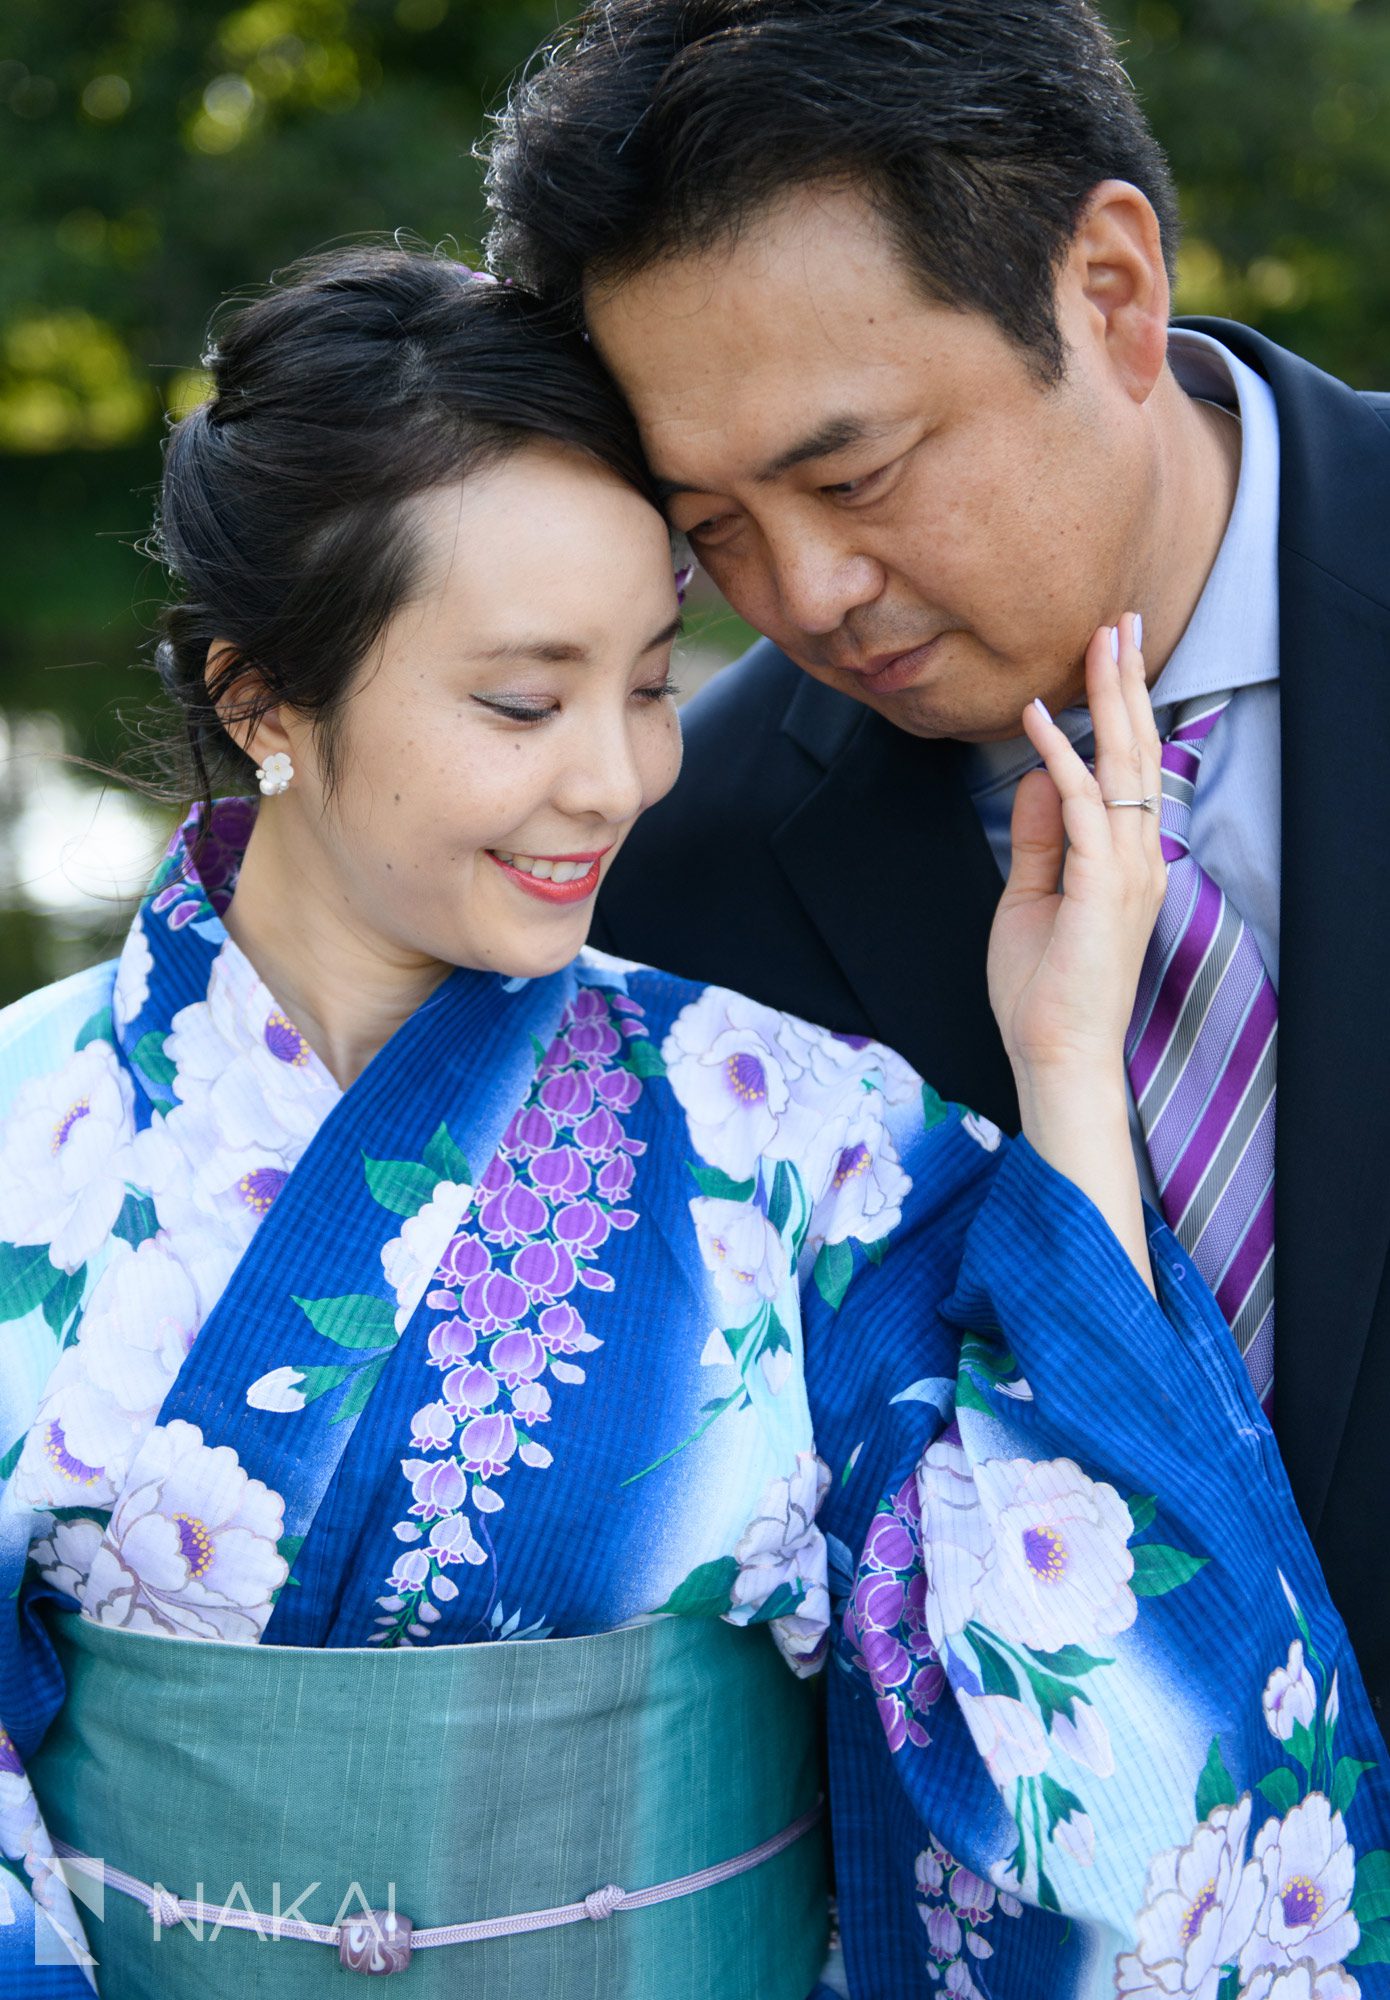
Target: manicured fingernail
[1138, 628]
[1114, 642]
[1041, 707]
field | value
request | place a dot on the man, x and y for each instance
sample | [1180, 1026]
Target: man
[887, 286]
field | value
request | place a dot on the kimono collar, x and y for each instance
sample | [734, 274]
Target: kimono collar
[178, 955]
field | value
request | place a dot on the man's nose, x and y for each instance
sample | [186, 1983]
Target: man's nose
[820, 579]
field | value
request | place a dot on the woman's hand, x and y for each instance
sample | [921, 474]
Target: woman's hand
[1064, 963]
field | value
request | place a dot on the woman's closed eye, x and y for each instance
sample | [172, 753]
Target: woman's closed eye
[522, 709]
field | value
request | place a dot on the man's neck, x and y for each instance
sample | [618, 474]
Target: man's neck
[1197, 471]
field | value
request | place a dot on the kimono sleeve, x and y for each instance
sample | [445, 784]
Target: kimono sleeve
[52, 1075]
[1095, 1724]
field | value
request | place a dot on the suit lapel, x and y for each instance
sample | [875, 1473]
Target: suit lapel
[887, 857]
[1332, 1187]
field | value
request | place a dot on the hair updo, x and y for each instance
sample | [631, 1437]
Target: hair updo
[357, 381]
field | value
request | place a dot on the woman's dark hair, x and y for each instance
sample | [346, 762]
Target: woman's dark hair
[977, 128]
[357, 381]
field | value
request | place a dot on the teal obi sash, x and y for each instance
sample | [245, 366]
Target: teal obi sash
[451, 1785]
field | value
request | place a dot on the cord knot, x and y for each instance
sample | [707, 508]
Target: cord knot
[603, 1902]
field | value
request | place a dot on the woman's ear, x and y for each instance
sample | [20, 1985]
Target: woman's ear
[239, 699]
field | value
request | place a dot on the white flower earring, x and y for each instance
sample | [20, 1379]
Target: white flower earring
[275, 774]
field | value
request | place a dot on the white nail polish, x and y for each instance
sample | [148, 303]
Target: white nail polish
[1114, 642]
[1041, 707]
[1139, 628]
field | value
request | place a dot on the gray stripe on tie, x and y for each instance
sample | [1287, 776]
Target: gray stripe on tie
[1231, 1151]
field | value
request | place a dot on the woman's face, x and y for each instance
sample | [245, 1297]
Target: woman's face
[514, 721]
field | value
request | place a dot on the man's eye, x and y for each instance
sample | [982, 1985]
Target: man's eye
[856, 489]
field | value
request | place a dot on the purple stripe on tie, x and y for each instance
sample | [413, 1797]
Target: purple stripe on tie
[1197, 727]
[1177, 980]
[1170, 1129]
[1181, 761]
[1241, 1064]
[1248, 1261]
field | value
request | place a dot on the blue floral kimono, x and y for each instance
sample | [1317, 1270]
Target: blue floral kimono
[608, 1296]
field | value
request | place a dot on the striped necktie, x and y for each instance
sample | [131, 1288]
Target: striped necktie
[1201, 1054]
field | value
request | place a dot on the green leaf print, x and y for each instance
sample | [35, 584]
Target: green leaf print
[877, 1250]
[100, 1028]
[62, 1302]
[1060, 1803]
[357, 1320]
[705, 1592]
[316, 1382]
[137, 1221]
[719, 1187]
[152, 1062]
[27, 1276]
[1302, 1745]
[833, 1270]
[785, 1600]
[359, 1390]
[995, 1672]
[1371, 1897]
[1281, 1789]
[1374, 1948]
[1345, 1779]
[779, 1203]
[644, 1059]
[1159, 1569]
[11, 1458]
[1142, 1508]
[1215, 1787]
[1071, 1660]
[1229, 1989]
[402, 1186]
[444, 1159]
[934, 1110]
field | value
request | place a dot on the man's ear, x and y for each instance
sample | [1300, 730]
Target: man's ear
[1113, 287]
[239, 698]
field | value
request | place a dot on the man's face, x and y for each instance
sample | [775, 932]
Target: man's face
[880, 483]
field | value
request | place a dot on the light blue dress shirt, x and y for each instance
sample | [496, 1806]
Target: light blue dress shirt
[1231, 641]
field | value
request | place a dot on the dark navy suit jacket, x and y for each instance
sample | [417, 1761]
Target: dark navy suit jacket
[820, 859]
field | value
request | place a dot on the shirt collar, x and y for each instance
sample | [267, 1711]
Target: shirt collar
[1232, 637]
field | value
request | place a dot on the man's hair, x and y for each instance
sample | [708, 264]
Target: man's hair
[977, 128]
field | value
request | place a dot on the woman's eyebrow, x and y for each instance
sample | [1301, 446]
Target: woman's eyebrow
[563, 652]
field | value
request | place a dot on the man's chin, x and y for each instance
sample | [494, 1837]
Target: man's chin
[929, 712]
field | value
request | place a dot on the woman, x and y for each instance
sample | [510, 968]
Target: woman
[387, 1275]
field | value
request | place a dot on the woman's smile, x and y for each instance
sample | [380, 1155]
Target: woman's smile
[554, 878]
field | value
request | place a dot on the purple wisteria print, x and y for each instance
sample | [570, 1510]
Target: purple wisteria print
[509, 1291]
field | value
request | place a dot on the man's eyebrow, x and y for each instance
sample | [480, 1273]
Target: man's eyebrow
[835, 434]
[563, 652]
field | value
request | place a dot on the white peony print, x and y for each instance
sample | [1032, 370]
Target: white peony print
[65, 1553]
[1290, 1696]
[191, 1549]
[955, 1539]
[244, 1067]
[133, 969]
[1007, 1735]
[411, 1259]
[107, 1389]
[736, 1083]
[782, 1546]
[1305, 1981]
[1200, 1905]
[1085, 1739]
[745, 1254]
[1059, 1565]
[1307, 1871]
[864, 1185]
[67, 1155]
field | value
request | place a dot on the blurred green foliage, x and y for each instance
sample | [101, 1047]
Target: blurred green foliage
[159, 156]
